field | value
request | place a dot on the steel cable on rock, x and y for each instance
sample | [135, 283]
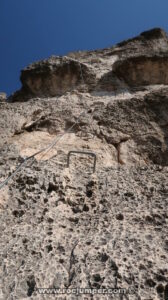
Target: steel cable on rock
[19, 167]
[47, 148]
[82, 113]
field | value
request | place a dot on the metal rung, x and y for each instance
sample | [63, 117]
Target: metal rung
[82, 152]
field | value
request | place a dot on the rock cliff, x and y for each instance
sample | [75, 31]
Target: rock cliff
[67, 227]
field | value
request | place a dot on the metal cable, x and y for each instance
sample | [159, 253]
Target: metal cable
[58, 139]
[48, 148]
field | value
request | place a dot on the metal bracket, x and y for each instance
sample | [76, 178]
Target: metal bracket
[82, 152]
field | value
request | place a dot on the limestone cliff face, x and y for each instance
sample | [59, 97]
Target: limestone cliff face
[68, 227]
[134, 63]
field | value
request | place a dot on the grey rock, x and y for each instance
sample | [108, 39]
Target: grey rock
[67, 227]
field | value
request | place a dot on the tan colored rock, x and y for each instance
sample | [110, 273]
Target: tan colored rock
[140, 61]
[67, 227]
[4, 197]
[143, 70]
[129, 155]
[3, 97]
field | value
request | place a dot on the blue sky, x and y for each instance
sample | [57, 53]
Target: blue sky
[31, 30]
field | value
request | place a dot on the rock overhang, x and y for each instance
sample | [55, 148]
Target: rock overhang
[134, 63]
[54, 77]
[143, 70]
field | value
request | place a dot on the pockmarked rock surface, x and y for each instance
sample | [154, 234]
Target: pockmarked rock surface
[67, 227]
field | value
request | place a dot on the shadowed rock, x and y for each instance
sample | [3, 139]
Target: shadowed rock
[53, 77]
[143, 70]
[140, 61]
[67, 227]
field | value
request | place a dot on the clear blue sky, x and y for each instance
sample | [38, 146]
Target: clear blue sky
[31, 30]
